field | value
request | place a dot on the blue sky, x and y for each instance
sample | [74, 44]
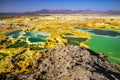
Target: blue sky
[34, 5]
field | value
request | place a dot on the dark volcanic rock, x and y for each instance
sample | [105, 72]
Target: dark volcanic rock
[69, 63]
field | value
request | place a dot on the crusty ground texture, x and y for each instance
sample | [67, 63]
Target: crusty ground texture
[69, 63]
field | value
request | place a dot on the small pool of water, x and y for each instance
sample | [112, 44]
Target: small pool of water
[37, 38]
[28, 34]
[72, 40]
[31, 37]
[14, 34]
[18, 44]
[104, 41]
[100, 32]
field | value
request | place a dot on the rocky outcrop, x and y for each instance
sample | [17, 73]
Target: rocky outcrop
[69, 63]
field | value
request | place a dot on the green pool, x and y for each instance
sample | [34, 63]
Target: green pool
[14, 34]
[38, 38]
[106, 42]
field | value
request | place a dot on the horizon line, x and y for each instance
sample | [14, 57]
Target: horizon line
[58, 9]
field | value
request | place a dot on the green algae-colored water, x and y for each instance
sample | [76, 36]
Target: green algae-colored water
[32, 36]
[19, 44]
[35, 37]
[75, 41]
[106, 45]
[104, 41]
[72, 40]
[14, 34]
[28, 34]
[38, 38]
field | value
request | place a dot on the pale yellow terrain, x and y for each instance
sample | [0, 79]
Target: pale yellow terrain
[57, 25]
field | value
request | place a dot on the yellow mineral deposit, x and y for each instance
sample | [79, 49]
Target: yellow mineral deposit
[57, 25]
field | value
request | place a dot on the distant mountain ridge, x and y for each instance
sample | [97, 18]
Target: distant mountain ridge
[63, 11]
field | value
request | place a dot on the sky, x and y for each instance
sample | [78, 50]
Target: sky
[35, 5]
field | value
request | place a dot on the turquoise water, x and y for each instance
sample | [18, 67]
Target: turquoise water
[104, 41]
[38, 38]
[31, 36]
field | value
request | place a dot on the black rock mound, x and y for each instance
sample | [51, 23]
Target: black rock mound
[70, 63]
